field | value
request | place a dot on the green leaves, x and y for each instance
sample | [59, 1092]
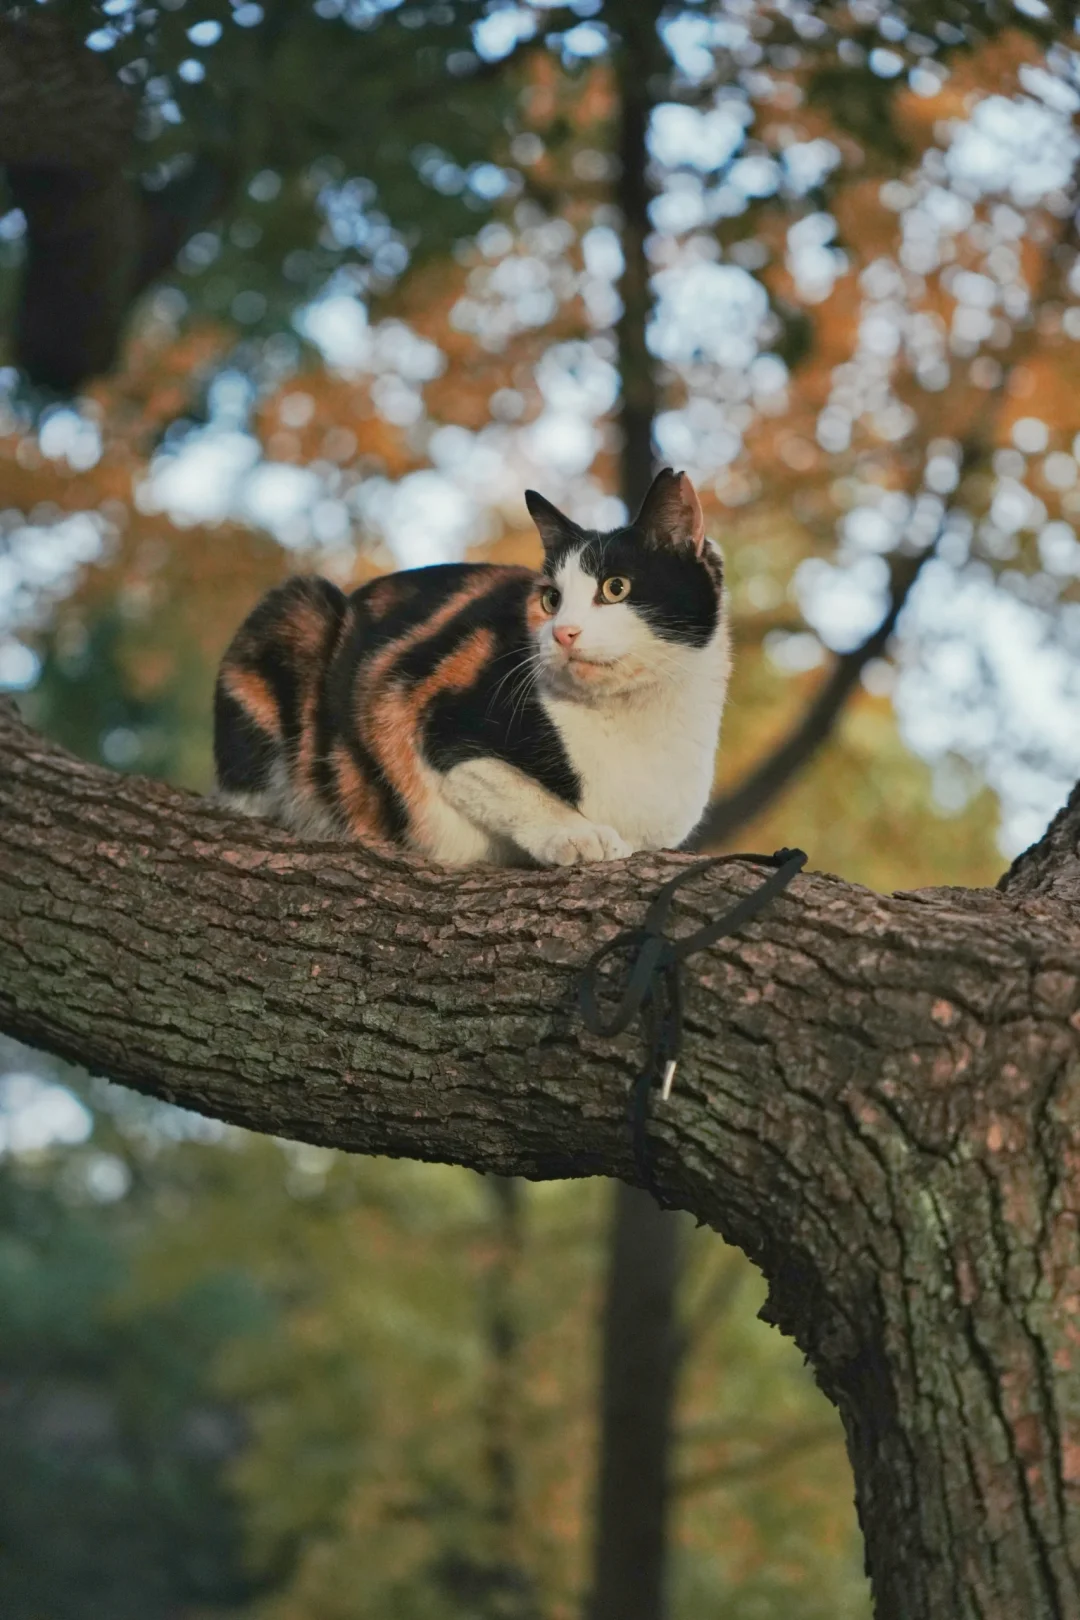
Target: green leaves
[336, 103]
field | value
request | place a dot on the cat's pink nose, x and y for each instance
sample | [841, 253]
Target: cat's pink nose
[567, 634]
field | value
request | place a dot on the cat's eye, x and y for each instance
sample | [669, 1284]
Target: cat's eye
[616, 588]
[550, 599]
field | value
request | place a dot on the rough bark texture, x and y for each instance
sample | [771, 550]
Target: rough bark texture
[878, 1100]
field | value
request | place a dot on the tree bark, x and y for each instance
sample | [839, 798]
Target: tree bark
[878, 1101]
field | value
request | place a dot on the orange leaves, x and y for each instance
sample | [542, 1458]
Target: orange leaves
[160, 380]
[1047, 386]
[991, 69]
[519, 546]
[585, 100]
[320, 416]
[863, 219]
[595, 101]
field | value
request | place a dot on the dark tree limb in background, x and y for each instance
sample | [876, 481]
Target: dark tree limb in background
[60, 104]
[637, 62]
[66, 134]
[95, 242]
[95, 238]
[879, 1101]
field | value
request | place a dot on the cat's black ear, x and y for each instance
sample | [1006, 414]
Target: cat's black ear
[555, 529]
[671, 512]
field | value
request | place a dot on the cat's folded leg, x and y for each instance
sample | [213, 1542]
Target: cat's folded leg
[509, 804]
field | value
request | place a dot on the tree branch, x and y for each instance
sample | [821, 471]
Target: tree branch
[362, 998]
[867, 1084]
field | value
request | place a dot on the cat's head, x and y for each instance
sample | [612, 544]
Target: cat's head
[630, 609]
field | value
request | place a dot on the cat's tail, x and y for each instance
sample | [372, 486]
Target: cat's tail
[267, 699]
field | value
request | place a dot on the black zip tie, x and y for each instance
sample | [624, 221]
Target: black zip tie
[654, 991]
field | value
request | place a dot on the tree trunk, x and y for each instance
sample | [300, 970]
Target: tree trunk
[878, 1100]
[511, 1591]
[637, 383]
[639, 1361]
[639, 1342]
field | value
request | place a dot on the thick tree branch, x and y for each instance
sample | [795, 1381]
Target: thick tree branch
[355, 996]
[877, 1101]
[117, 895]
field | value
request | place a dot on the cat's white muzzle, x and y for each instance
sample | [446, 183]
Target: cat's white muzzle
[578, 674]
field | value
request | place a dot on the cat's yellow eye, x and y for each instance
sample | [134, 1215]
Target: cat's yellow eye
[615, 589]
[550, 599]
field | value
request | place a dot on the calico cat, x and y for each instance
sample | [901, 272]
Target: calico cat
[478, 712]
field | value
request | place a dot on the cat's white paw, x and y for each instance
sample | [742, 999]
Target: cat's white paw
[588, 841]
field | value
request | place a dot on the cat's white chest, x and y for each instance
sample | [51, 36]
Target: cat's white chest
[645, 770]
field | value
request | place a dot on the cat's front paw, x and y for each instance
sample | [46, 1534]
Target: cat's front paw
[569, 846]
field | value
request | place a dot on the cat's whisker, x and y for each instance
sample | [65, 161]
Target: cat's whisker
[525, 660]
[525, 685]
[526, 689]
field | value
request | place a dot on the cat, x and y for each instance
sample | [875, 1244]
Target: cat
[481, 712]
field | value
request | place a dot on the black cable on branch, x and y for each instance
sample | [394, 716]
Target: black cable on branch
[653, 990]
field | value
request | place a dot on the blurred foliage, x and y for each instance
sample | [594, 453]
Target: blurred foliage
[417, 324]
[208, 1338]
[318, 119]
[113, 1440]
